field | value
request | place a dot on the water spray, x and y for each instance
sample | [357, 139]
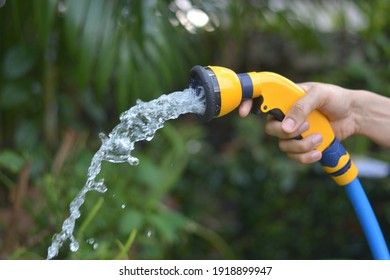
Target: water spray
[274, 94]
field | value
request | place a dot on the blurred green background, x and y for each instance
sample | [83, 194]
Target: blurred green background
[217, 190]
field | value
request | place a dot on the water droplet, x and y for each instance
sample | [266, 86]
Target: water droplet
[149, 233]
[74, 246]
[123, 206]
[90, 241]
[133, 161]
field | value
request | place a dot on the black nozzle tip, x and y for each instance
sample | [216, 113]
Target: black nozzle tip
[203, 77]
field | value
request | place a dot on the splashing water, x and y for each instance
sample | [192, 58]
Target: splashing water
[138, 123]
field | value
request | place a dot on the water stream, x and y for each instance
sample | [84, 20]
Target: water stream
[139, 123]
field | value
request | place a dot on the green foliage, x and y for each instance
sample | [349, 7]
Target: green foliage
[201, 191]
[11, 161]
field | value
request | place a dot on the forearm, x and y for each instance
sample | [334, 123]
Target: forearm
[372, 116]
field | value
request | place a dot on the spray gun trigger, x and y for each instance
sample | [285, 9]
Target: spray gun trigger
[256, 109]
[277, 114]
[256, 105]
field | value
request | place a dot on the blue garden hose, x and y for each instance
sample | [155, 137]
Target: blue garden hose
[338, 164]
[367, 219]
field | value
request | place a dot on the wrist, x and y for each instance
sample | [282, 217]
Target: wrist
[358, 112]
[371, 116]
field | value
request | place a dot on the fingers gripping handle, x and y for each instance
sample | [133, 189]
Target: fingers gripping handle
[337, 162]
[276, 97]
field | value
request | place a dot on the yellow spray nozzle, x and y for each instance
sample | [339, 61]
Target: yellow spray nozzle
[224, 90]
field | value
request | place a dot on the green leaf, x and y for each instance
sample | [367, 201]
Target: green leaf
[124, 74]
[13, 95]
[149, 172]
[18, 62]
[43, 18]
[126, 248]
[73, 23]
[132, 219]
[90, 39]
[107, 52]
[167, 224]
[11, 160]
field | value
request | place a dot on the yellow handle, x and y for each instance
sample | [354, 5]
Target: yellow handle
[280, 93]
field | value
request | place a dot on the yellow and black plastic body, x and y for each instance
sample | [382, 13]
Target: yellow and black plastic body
[274, 94]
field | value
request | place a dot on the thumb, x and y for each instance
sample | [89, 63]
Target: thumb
[298, 113]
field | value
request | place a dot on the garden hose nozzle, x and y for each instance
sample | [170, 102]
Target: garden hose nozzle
[274, 94]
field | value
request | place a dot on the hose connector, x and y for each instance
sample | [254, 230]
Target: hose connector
[337, 162]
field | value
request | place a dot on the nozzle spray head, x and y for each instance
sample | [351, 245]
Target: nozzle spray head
[222, 89]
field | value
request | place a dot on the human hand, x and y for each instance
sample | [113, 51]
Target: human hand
[332, 101]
